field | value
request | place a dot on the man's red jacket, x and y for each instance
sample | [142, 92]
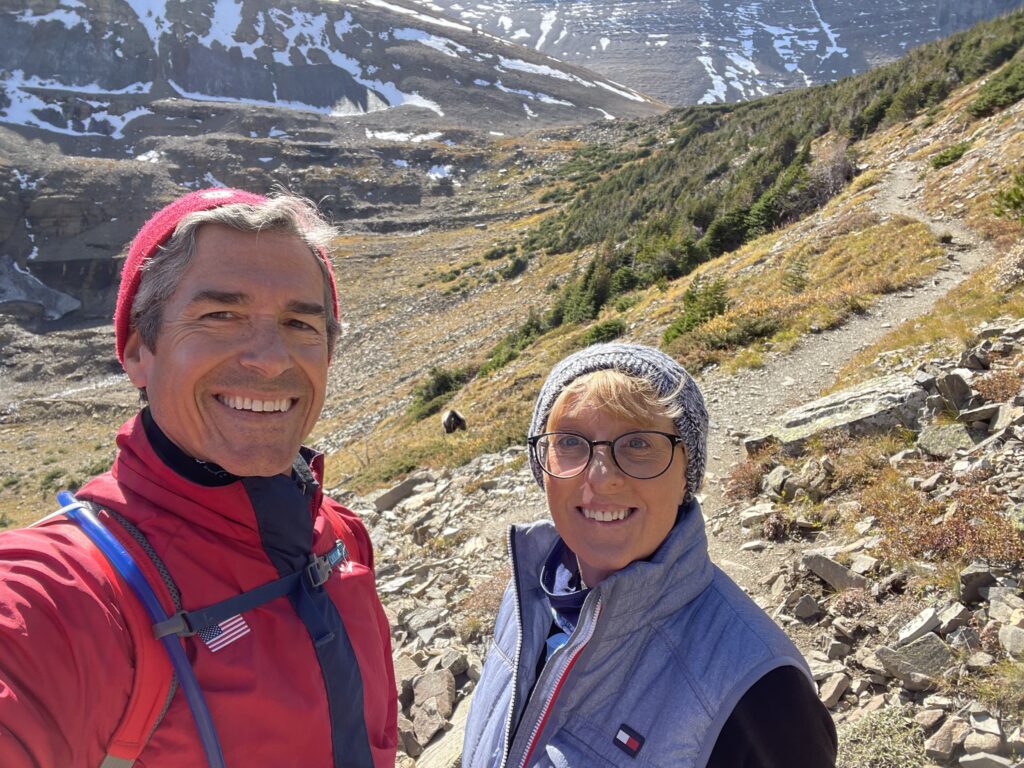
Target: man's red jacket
[70, 630]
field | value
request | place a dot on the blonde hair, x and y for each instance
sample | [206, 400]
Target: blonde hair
[624, 396]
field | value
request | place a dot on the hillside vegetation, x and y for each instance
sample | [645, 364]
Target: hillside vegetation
[725, 233]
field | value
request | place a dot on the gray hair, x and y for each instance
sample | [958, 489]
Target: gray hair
[280, 213]
[675, 388]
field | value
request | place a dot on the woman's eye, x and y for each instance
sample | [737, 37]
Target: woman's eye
[569, 441]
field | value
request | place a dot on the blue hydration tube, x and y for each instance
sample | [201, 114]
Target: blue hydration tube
[125, 565]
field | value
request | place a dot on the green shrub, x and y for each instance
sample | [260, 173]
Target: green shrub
[440, 386]
[950, 155]
[609, 330]
[500, 251]
[513, 267]
[701, 301]
[1010, 201]
[1004, 88]
[557, 195]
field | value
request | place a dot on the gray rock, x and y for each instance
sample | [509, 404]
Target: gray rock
[985, 760]
[407, 737]
[982, 721]
[955, 388]
[876, 405]
[837, 576]
[806, 608]
[945, 742]
[454, 661]
[919, 664]
[427, 721]
[929, 719]
[979, 660]
[982, 413]
[403, 490]
[972, 579]
[920, 625]
[837, 650]
[1012, 640]
[833, 688]
[863, 564]
[775, 481]
[1001, 607]
[752, 517]
[953, 617]
[406, 672]
[438, 687]
[942, 441]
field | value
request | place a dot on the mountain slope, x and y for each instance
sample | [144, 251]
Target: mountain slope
[705, 51]
[101, 70]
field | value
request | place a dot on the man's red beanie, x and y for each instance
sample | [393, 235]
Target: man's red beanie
[158, 230]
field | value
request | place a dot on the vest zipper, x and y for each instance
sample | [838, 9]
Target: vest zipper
[519, 645]
[562, 675]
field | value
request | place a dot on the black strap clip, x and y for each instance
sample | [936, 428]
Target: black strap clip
[177, 624]
[320, 566]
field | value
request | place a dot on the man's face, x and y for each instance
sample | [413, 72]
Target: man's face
[240, 367]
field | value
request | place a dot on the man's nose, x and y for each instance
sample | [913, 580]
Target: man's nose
[266, 349]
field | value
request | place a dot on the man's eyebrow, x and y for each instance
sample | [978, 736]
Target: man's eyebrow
[306, 308]
[220, 297]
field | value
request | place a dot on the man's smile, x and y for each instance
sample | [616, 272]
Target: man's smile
[280, 405]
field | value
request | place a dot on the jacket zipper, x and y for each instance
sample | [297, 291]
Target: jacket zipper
[567, 668]
[519, 645]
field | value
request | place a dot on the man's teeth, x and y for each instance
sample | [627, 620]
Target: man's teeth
[604, 516]
[259, 406]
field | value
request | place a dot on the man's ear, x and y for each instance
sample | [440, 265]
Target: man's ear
[137, 357]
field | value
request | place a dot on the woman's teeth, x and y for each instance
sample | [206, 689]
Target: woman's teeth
[604, 516]
[259, 406]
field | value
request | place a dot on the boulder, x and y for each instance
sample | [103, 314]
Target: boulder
[439, 687]
[837, 576]
[920, 625]
[942, 441]
[873, 406]
[972, 579]
[919, 664]
[945, 742]
[955, 388]
[1012, 640]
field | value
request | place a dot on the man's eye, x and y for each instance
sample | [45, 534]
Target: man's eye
[220, 315]
[301, 325]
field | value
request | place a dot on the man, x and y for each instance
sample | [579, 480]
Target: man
[226, 319]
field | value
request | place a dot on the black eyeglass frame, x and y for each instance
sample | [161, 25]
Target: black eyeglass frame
[591, 444]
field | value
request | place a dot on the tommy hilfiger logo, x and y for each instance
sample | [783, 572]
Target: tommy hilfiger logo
[628, 740]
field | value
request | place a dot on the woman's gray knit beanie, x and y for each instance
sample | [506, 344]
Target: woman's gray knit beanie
[666, 376]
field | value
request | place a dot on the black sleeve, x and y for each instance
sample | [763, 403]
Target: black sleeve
[779, 723]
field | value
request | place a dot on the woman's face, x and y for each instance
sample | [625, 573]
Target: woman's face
[650, 506]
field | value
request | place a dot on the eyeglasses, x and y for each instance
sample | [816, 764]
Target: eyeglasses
[642, 455]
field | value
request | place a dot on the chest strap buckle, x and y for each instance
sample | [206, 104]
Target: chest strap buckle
[320, 566]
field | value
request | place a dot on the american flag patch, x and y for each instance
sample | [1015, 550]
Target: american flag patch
[628, 740]
[220, 635]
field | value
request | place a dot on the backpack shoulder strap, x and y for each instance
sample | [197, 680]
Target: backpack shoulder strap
[155, 682]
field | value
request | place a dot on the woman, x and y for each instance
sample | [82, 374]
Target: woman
[618, 642]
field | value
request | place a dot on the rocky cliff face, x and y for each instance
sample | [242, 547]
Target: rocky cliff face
[112, 108]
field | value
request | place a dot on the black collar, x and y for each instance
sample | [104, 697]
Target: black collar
[196, 471]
